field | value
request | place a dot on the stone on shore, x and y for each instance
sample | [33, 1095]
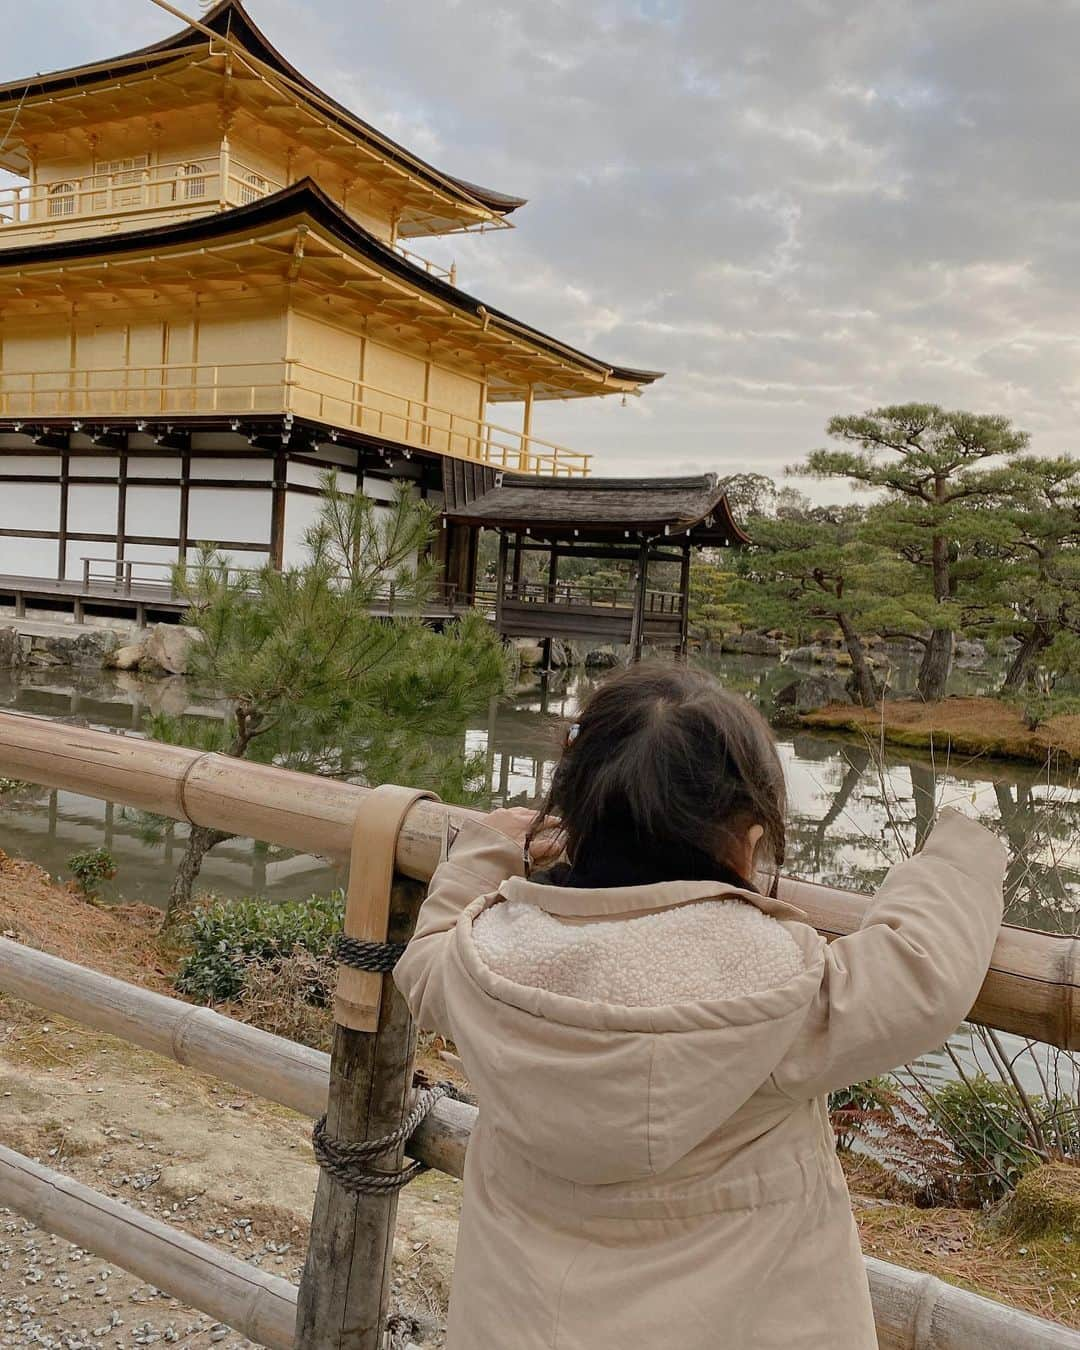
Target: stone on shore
[126, 658]
[168, 648]
[86, 648]
[810, 692]
[12, 655]
[751, 644]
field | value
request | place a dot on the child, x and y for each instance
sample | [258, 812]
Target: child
[651, 1038]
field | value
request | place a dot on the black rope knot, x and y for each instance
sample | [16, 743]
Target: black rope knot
[349, 1163]
[378, 957]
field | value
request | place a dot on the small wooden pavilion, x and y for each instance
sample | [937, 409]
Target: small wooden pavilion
[645, 521]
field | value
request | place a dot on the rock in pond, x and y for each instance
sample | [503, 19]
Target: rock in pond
[808, 692]
[86, 648]
[168, 648]
[12, 655]
[751, 644]
[126, 658]
[602, 658]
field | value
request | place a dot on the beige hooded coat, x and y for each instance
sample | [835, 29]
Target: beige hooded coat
[666, 1177]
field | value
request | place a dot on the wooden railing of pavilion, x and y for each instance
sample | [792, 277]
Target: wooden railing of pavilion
[243, 388]
[1032, 989]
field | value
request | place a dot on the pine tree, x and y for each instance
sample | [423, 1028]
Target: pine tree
[820, 568]
[312, 680]
[930, 465]
[1037, 545]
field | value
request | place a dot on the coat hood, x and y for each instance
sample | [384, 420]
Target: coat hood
[596, 1093]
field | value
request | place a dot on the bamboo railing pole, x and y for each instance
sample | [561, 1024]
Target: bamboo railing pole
[1033, 988]
[913, 1311]
[267, 1065]
[259, 1306]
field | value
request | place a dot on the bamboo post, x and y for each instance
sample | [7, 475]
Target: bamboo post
[345, 1290]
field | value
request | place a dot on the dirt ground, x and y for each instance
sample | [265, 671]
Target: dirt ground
[208, 1158]
[238, 1172]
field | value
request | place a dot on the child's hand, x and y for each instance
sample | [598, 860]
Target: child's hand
[516, 822]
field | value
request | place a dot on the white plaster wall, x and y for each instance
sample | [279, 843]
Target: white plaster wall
[150, 553]
[154, 466]
[153, 511]
[95, 466]
[28, 557]
[21, 465]
[233, 470]
[307, 475]
[92, 509]
[379, 489]
[30, 506]
[238, 514]
[301, 512]
[78, 549]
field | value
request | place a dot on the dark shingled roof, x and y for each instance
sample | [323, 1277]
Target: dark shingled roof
[230, 19]
[600, 509]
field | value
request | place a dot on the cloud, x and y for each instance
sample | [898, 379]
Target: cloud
[795, 210]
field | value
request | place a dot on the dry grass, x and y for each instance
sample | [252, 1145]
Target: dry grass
[277, 998]
[966, 726]
[120, 940]
[1042, 1276]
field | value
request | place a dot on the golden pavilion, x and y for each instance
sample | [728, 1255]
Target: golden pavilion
[210, 293]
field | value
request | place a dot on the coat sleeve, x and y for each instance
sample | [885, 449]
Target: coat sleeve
[482, 858]
[900, 985]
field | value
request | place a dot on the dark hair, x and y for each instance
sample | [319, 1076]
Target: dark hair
[660, 778]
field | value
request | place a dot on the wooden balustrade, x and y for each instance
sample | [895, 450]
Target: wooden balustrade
[1031, 988]
[281, 387]
[198, 184]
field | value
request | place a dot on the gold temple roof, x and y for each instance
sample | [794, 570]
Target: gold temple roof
[226, 57]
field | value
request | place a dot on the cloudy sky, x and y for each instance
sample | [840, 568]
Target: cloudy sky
[795, 208]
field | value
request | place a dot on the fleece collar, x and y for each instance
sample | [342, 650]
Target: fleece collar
[626, 902]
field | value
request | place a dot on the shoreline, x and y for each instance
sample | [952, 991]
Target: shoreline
[975, 727]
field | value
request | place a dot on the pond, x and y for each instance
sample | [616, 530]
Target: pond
[854, 808]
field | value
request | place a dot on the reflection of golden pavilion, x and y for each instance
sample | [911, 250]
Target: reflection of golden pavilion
[208, 294]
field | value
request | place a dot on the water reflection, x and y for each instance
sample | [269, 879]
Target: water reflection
[854, 810]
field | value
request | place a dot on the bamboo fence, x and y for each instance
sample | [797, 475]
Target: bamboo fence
[1031, 989]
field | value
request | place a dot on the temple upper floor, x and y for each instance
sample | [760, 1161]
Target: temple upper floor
[210, 119]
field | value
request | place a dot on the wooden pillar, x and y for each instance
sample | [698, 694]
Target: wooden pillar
[684, 600]
[500, 579]
[62, 524]
[637, 626]
[552, 582]
[345, 1290]
[526, 429]
[121, 500]
[185, 506]
[277, 509]
[518, 558]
